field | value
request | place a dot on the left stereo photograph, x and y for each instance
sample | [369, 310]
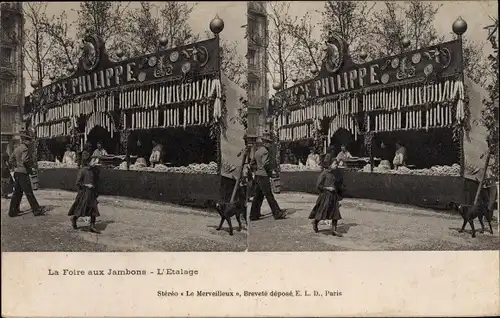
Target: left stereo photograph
[123, 137]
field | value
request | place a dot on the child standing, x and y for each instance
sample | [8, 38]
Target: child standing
[85, 204]
[327, 205]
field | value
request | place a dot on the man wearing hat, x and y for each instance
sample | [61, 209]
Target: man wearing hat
[263, 171]
[21, 160]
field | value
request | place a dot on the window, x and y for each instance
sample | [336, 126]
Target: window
[253, 58]
[6, 55]
[7, 121]
[9, 86]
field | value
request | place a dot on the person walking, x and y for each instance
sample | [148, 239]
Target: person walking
[85, 204]
[21, 160]
[263, 165]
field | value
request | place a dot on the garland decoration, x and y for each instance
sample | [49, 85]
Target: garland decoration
[426, 104]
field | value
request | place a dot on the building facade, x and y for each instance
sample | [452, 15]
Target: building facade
[11, 71]
[258, 87]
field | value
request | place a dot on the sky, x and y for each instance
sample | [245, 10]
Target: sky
[233, 14]
[475, 13]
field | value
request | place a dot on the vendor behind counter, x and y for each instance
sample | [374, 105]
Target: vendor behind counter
[139, 150]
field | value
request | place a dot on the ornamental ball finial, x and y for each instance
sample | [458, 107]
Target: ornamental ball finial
[163, 41]
[406, 42]
[363, 55]
[216, 25]
[459, 26]
[34, 83]
[119, 53]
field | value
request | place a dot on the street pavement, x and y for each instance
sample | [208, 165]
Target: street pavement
[130, 225]
[367, 226]
[127, 225]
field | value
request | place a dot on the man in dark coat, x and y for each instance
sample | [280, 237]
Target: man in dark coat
[21, 160]
[263, 165]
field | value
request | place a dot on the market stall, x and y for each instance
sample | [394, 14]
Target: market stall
[177, 98]
[419, 99]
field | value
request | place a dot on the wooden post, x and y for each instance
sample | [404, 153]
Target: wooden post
[238, 178]
[481, 182]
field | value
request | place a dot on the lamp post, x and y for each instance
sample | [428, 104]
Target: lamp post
[459, 27]
[216, 26]
[277, 86]
[35, 100]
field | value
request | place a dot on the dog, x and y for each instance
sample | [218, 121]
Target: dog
[469, 213]
[227, 210]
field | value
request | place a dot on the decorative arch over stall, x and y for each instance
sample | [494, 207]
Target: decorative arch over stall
[171, 93]
[417, 96]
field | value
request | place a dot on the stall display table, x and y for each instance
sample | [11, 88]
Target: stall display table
[416, 190]
[179, 188]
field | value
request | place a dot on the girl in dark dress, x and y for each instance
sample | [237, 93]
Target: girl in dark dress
[327, 205]
[85, 204]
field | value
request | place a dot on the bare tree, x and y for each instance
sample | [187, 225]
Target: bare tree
[420, 17]
[143, 29]
[104, 19]
[308, 50]
[490, 112]
[65, 52]
[476, 65]
[280, 43]
[349, 20]
[388, 30]
[174, 22]
[413, 20]
[37, 43]
[233, 64]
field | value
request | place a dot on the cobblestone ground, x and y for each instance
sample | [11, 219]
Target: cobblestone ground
[126, 225]
[367, 226]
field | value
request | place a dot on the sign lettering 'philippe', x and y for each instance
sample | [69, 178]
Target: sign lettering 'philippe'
[442, 60]
[337, 83]
[346, 81]
[107, 78]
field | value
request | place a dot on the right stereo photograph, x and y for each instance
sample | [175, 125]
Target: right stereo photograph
[372, 126]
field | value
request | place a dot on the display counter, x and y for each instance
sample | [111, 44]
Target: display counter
[192, 189]
[418, 190]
